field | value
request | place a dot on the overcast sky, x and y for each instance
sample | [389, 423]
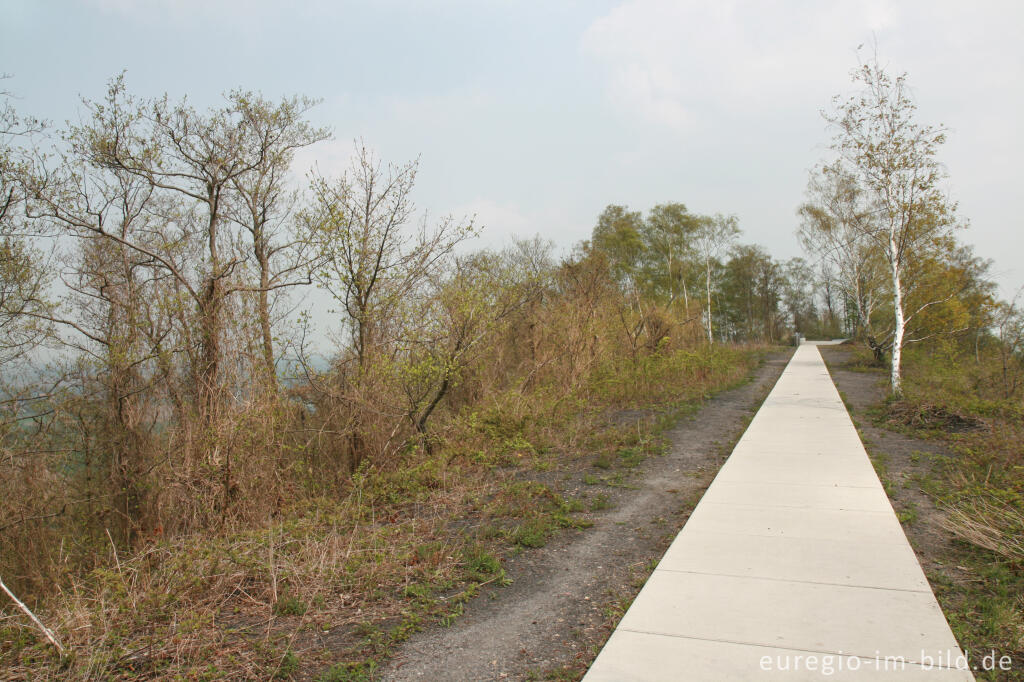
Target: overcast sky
[535, 115]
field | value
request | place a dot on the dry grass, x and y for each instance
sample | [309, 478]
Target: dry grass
[992, 525]
[338, 580]
[238, 602]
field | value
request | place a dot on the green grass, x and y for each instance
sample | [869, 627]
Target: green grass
[908, 515]
[349, 672]
[289, 665]
[533, 533]
[481, 564]
[290, 606]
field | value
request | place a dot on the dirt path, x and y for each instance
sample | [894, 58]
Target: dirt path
[567, 596]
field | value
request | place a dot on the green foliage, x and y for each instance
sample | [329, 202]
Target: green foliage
[418, 591]
[618, 236]
[533, 533]
[631, 457]
[290, 606]
[481, 564]
[288, 666]
[349, 672]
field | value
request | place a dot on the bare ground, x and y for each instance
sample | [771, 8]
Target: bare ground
[567, 596]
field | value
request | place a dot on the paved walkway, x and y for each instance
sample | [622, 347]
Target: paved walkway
[793, 566]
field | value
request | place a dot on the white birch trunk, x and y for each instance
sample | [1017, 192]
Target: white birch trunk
[707, 263]
[896, 379]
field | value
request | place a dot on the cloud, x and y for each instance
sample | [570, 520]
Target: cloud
[499, 221]
[681, 63]
[250, 13]
[186, 7]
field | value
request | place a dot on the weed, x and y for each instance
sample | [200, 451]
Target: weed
[349, 672]
[421, 591]
[561, 674]
[449, 618]
[481, 564]
[908, 515]
[533, 533]
[289, 665]
[631, 457]
[290, 606]
[571, 506]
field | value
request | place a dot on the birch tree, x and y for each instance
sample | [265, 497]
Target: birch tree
[883, 148]
[834, 226]
[619, 235]
[668, 231]
[712, 239]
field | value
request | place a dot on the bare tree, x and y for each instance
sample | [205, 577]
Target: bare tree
[191, 160]
[374, 263]
[154, 195]
[264, 203]
[834, 226]
[1009, 327]
[23, 268]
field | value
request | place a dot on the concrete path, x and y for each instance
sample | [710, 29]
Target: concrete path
[792, 567]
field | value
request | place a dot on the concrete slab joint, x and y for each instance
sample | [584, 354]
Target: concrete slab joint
[793, 566]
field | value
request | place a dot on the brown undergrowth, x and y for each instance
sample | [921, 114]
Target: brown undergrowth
[328, 584]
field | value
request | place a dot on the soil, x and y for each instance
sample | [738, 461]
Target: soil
[567, 596]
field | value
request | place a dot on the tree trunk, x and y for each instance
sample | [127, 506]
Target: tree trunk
[421, 423]
[671, 281]
[862, 325]
[263, 312]
[896, 379]
[707, 264]
[208, 378]
[211, 324]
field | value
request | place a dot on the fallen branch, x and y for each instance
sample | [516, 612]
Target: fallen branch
[46, 630]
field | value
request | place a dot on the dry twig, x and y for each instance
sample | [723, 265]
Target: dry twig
[45, 630]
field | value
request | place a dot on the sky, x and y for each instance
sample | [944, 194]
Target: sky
[533, 116]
